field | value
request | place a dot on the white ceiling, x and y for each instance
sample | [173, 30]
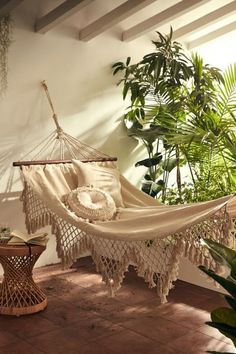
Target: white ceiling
[191, 16]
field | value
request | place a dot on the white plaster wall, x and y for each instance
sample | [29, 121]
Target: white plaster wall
[87, 100]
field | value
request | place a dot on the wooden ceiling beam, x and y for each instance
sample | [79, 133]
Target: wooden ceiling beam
[204, 21]
[212, 35]
[113, 17]
[161, 18]
[6, 6]
[59, 14]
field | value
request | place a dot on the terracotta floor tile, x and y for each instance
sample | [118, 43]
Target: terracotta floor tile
[127, 342]
[158, 329]
[194, 288]
[48, 272]
[213, 302]
[99, 302]
[73, 293]
[133, 294]
[213, 332]
[66, 315]
[128, 312]
[187, 296]
[84, 279]
[6, 337]
[163, 349]
[196, 343]
[56, 286]
[132, 287]
[82, 319]
[55, 302]
[91, 348]
[25, 326]
[188, 316]
[57, 342]
[93, 329]
[21, 347]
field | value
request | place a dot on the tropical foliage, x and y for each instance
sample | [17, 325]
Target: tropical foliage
[183, 111]
[5, 41]
[4, 233]
[224, 318]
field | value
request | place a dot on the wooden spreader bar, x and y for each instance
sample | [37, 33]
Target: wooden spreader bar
[50, 162]
[75, 148]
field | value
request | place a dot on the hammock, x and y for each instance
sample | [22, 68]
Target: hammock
[142, 232]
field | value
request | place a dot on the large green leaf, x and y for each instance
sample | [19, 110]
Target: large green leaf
[146, 188]
[153, 161]
[224, 315]
[226, 284]
[152, 188]
[231, 301]
[169, 164]
[148, 135]
[223, 253]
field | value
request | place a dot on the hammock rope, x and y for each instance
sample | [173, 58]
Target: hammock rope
[54, 115]
[59, 146]
[116, 244]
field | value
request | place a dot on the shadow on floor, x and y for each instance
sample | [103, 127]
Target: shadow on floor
[82, 319]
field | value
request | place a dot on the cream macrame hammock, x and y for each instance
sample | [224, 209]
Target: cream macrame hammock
[149, 235]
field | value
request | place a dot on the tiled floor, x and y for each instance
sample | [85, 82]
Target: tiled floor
[82, 319]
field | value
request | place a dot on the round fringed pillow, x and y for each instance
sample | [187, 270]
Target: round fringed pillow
[92, 203]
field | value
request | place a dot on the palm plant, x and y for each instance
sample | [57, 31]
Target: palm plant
[183, 111]
[209, 142]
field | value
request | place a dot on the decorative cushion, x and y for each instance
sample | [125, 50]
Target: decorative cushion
[105, 178]
[91, 203]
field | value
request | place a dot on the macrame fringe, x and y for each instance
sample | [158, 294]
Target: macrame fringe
[156, 261]
[166, 282]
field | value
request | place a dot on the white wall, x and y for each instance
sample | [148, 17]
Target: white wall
[87, 100]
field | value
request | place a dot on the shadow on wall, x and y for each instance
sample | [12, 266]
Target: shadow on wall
[110, 136]
[25, 136]
[113, 140]
[97, 115]
[119, 144]
[8, 174]
[11, 210]
[17, 139]
[92, 94]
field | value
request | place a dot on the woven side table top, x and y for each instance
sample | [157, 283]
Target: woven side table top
[19, 295]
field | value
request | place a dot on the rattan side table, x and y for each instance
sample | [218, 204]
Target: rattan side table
[19, 295]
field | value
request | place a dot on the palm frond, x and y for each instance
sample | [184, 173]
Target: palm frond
[227, 94]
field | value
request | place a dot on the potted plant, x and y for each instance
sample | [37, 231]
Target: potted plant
[183, 111]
